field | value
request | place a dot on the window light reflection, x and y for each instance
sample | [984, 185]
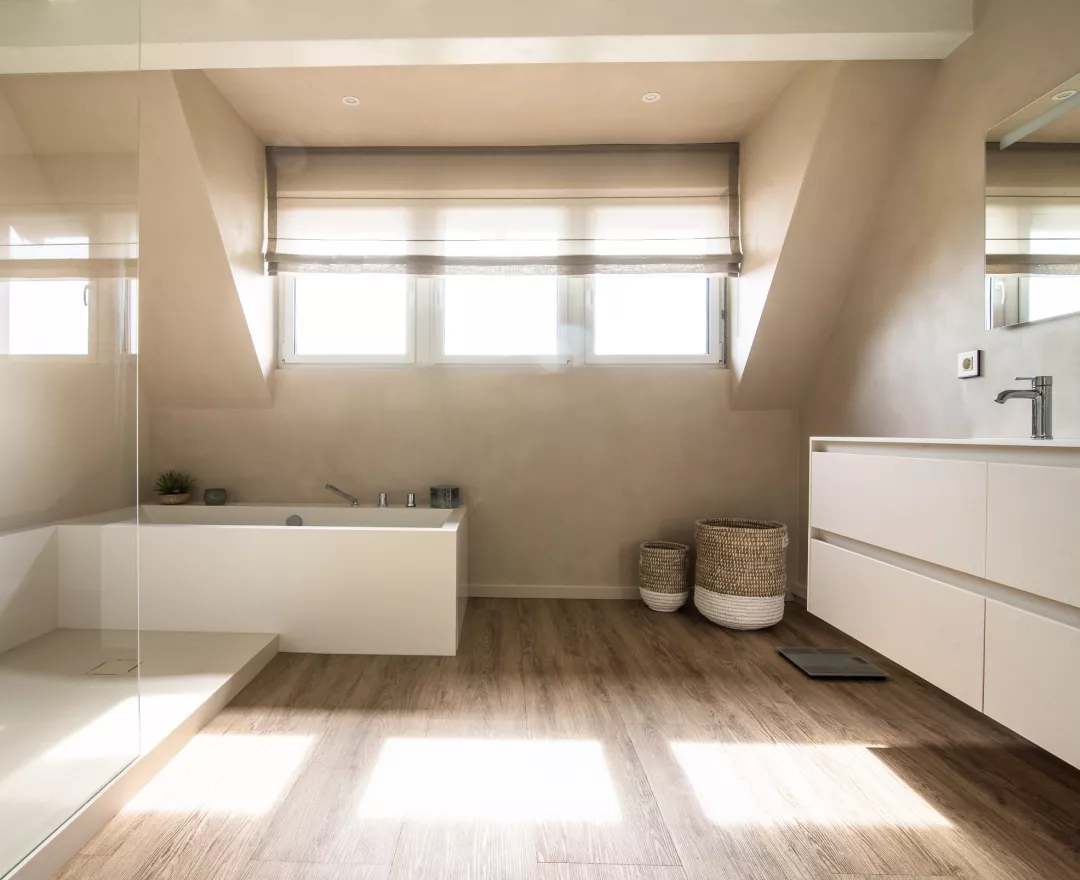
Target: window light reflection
[491, 780]
[771, 785]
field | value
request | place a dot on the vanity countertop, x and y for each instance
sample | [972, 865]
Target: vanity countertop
[1067, 443]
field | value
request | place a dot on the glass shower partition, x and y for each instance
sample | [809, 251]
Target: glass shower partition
[69, 641]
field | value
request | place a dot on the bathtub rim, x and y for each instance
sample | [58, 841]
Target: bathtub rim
[453, 521]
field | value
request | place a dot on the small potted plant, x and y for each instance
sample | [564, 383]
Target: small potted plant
[174, 487]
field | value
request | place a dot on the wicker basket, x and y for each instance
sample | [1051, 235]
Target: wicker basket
[662, 571]
[741, 578]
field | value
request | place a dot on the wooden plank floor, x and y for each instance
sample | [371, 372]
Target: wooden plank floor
[595, 741]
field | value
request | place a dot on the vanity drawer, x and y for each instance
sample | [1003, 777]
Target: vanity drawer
[1033, 530]
[1031, 681]
[931, 628]
[932, 509]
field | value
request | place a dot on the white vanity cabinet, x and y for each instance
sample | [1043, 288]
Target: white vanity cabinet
[1033, 530]
[882, 500]
[1031, 677]
[959, 560]
[931, 628]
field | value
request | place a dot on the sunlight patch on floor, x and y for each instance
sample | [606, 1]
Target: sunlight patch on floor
[491, 780]
[770, 785]
[240, 774]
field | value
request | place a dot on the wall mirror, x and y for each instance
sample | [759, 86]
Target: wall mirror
[1033, 211]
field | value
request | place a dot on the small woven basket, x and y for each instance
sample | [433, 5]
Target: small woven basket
[741, 572]
[662, 569]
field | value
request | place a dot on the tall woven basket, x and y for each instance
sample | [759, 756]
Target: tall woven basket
[741, 578]
[662, 569]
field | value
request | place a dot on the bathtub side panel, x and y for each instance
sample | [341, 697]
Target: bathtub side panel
[326, 591]
[461, 549]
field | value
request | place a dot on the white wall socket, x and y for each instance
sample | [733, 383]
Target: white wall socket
[967, 364]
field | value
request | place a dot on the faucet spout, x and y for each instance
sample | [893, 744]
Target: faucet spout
[1041, 395]
[1017, 393]
[351, 499]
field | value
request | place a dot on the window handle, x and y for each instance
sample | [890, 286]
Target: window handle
[86, 295]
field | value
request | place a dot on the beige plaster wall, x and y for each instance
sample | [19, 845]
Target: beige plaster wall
[68, 145]
[68, 445]
[233, 161]
[916, 297]
[773, 162]
[812, 176]
[565, 472]
[196, 345]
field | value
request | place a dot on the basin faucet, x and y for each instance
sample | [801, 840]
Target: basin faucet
[1041, 395]
[352, 501]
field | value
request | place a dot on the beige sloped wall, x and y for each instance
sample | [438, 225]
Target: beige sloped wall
[812, 173]
[916, 298]
[233, 161]
[565, 472]
[197, 346]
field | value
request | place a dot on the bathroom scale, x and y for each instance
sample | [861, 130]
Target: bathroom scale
[832, 663]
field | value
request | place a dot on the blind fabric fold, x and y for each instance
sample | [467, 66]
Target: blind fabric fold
[68, 216]
[559, 210]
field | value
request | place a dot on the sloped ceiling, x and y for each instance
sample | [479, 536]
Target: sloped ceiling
[812, 173]
[504, 105]
[196, 346]
[1064, 129]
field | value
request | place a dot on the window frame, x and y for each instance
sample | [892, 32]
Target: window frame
[287, 343]
[575, 332]
[716, 352]
[129, 302]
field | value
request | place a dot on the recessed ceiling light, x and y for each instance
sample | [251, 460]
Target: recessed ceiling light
[350, 100]
[651, 97]
[1064, 96]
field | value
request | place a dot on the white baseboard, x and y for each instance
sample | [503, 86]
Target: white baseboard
[796, 592]
[533, 591]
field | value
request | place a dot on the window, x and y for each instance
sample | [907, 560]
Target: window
[502, 319]
[654, 319]
[332, 318]
[49, 316]
[1047, 296]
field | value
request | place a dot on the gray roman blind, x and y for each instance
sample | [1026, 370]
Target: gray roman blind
[557, 210]
[1033, 209]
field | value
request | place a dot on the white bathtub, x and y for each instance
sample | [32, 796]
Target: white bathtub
[348, 581]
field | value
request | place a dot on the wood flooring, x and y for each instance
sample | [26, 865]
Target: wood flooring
[578, 740]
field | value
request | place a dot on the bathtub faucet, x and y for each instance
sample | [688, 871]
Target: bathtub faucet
[352, 501]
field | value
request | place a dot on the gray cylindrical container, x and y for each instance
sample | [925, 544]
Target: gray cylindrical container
[445, 497]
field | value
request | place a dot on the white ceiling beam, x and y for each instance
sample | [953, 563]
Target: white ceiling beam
[97, 34]
[550, 50]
